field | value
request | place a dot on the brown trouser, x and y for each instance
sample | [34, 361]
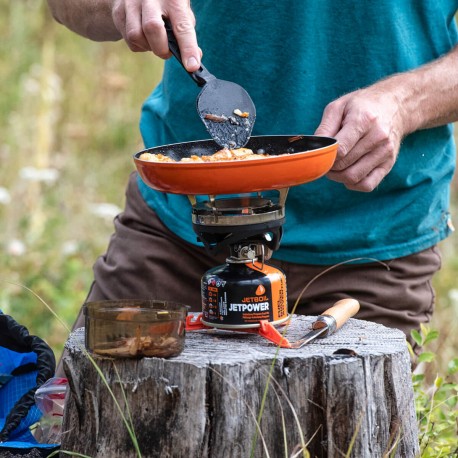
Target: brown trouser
[146, 260]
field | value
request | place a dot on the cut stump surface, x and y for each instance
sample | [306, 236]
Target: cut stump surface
[351, 391]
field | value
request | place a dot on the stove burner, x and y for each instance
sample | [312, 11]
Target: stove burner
[236, 211]
[224, 222]
[215, 238]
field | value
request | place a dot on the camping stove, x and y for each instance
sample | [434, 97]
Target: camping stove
[245, 293]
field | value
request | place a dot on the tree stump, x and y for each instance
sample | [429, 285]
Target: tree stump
[347, 393]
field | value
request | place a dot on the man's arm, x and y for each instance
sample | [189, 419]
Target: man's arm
[90, 18]
[138, 22]
[370, 123]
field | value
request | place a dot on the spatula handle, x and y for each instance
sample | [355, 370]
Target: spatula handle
[200, 76]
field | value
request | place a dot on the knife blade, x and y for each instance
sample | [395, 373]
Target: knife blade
[330, 321]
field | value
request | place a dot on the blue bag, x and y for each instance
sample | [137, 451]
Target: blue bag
[26, 362]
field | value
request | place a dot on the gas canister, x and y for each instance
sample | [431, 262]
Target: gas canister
[239, 295]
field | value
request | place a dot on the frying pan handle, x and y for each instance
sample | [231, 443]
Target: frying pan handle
[201, 76]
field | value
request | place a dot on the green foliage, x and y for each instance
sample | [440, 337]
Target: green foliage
[436, 401]
[69, 108]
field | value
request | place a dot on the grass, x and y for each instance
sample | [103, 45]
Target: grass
[69, 113]
[436, 400]
[69, 127]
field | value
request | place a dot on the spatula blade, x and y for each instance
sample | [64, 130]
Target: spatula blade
[225, 107]
[227, 112]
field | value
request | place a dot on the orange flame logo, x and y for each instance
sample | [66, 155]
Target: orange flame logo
[260, 290]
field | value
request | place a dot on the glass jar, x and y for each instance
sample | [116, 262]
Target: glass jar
[135, 328]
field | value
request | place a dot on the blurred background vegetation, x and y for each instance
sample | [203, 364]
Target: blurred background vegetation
[69, 113]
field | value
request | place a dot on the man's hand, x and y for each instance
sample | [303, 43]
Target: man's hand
[370, 123]
[140, 24]
[369, 127]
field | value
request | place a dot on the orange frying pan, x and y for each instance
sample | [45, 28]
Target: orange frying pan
[294, 160]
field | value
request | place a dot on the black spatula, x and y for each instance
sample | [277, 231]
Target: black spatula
[225, 108]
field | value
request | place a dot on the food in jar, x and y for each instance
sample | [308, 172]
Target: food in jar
[133, 329]
[158, 346]
[225, 154]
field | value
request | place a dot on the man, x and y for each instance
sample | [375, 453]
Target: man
[381, 77]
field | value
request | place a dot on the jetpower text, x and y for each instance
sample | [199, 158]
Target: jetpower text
[258, 307]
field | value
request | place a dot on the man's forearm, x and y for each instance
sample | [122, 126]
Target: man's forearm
[90, 18]
[428, 95]
[139, 23]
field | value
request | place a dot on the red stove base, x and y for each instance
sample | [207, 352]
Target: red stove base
[265, 329]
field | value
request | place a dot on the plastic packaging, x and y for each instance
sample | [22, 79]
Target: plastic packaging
[50, 399]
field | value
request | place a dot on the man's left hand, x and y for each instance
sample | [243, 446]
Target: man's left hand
[369, 126]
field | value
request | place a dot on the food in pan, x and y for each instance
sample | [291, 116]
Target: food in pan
[225, 154]
[242, 114]
[231, 119]
[216, 118]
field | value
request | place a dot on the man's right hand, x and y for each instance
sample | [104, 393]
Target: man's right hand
[141, 25]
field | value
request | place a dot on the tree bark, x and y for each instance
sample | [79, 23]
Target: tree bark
[347, 393]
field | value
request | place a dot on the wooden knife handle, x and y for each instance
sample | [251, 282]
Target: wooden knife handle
[341, 311]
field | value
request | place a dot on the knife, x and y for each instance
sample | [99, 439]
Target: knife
[330, 321]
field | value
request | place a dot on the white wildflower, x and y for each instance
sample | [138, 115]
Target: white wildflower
[46, 175]
[5, 197]
[16, 247]
[453, 296]
[69, 247]
[33, 84]
[104, 210]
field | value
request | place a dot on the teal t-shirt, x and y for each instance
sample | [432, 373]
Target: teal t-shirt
[293, 58]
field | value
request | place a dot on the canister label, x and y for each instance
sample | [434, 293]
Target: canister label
[243, 294]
